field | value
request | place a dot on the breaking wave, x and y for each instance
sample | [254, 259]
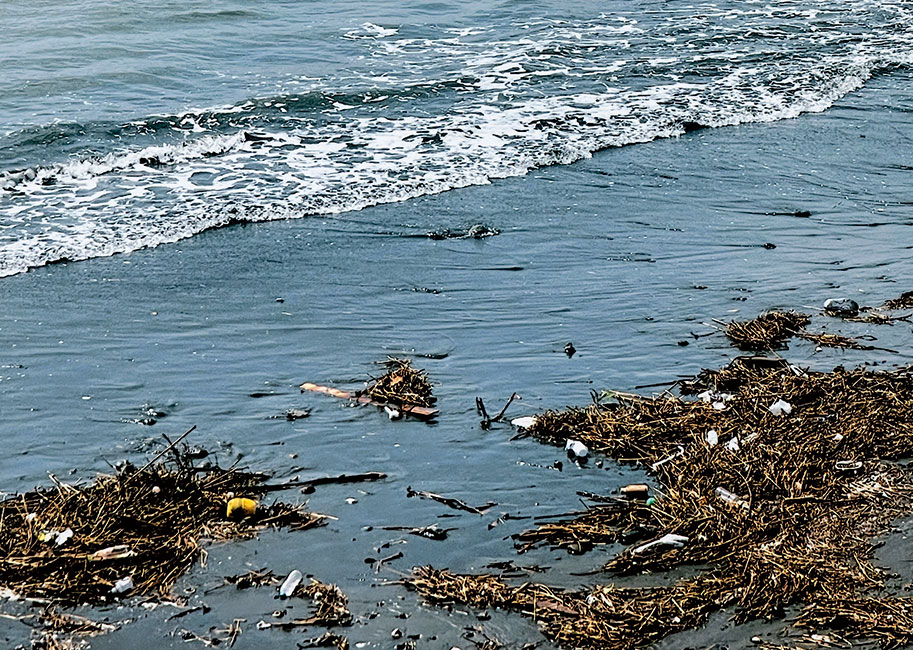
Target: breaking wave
[430, 114]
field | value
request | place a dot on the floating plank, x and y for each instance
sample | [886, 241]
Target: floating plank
[411, 409]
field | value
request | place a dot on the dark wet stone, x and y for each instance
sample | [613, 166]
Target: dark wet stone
[297, 414]
[842, 307]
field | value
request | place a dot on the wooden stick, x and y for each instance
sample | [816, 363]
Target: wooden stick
[163, 452]
[412, 409]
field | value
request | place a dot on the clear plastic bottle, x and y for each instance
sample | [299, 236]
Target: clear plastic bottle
[731, 498]
[291, 583]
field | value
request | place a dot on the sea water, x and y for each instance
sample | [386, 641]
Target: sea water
[643, 172]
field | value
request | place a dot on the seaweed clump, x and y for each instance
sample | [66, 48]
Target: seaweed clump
[769, 331]
[132, 533]
[904, 301]
[771, 484]
[402, 385]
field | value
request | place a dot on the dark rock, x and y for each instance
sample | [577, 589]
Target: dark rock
[842, 307]
[297, 414]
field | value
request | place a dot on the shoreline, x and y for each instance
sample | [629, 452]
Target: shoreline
[607, 253]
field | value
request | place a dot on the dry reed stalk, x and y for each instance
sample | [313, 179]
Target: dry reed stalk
[810, 489]
[904, 301]
[148, 525]
[768, 331]
[401, 385]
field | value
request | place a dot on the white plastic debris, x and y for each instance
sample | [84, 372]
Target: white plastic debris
[291, 583]
[780, 408]
[525, 422]
[64, 537]
[31, 517]
[576, 449]
[712, 437]
[660, 463]
[717, 400]
[393, 413]
[123, 585]
[263, 625]
[733, 444]
[838, 437]
[670, 539]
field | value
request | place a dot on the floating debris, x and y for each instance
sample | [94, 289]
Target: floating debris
[331, 605]
[784, 522]
[134, 533]
[450, 502]
[402, 389]
[769, 331]
[297, 414]
[255, 579]
[476, 231]
[401, 385]
[905, 301]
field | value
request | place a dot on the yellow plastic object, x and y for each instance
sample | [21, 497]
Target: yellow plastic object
[239, 508]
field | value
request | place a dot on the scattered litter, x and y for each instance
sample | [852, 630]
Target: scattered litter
[679, 452]
[240, 508]
[733, 444]
[64, 537]
[287, 588]
[393, 413]
[456, 504]
[297, 414]
[780, 407]
[712, 437]
[576, 449]
[848, 465]
[717, 400]
[731, 498]
[123, 585]
[115, 527]
[806, 551]
[636, 491]
[670, 539]
[525, 422]
[117, 552]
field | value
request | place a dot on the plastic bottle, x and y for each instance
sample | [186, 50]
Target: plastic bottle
[731, 498]
[291, 583]
[576, 449]
[636, 491]
[123, 585]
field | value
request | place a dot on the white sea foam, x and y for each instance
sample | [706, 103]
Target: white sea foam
[432, 114]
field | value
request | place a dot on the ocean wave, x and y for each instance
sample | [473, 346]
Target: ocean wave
[427, 115]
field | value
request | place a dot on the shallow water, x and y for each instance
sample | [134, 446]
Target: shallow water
[625, 254]
[134, 128]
